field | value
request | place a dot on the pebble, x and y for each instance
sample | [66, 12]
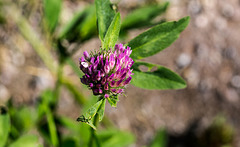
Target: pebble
[201, 21]
[225, 74]
[194, 7]
[4, 94]
[229, 52]
[184, 60]
[207, 84]
[236, 81]
[227, 10]
[192, 77]
[202, 50]
[209, 4]
[45, 82]
[215, 58]
[232, 95]
[220, 23]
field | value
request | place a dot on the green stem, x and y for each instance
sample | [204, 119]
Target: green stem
[93, 133]
[58, 84]
[50, 118]
[52, 128]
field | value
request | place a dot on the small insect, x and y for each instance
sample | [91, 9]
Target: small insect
[83, 119]
[3, 110]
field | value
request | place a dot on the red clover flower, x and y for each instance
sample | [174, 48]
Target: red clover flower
[107, 72]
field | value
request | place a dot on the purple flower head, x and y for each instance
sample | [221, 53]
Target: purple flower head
[107, 72]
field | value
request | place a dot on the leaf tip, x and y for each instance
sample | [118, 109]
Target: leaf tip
[187, 19]
[184, 85]
[167, 4]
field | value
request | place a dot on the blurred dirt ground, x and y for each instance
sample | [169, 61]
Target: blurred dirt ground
[206, 55]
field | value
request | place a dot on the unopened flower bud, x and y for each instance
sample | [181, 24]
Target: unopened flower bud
[86, 55]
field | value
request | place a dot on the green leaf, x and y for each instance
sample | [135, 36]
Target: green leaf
[157, 38]
[113, 99]
[105, 15]
[115, 138]
[69, 142]
[52, 9]
[26, 141]
[24, 118]
[161, 78]
[82, 25]
[91, 112]
[44, 109]
[73, 23]
[88, 117]
[4, 126]
[143, 16]
[78, 133]
[160, 139]
[102, 109]
[113, 32]
[88, 26]
[52, 128]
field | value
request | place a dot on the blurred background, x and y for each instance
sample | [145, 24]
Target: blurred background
[206, 55]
